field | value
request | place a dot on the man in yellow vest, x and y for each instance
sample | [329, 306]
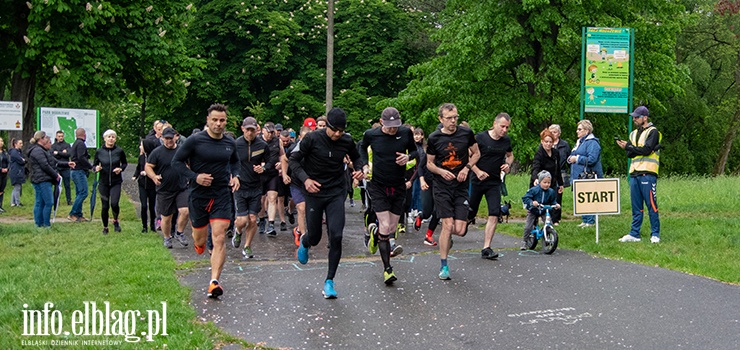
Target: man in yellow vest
[644, 149]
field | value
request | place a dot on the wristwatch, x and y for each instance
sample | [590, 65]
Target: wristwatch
[470, 167]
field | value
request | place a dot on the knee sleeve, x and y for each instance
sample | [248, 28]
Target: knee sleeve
[384, 237]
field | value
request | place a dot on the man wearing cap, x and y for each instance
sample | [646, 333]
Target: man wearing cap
[283, 199]
[392, 146]
[252, 151]
[311, 123]
[270, 179]
[318, 163]
[644, 149]
[212, 171]
[172, 189]
[451, 154]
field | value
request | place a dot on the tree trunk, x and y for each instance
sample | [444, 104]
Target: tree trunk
[23, 89]
[330, 56]
[724, 151]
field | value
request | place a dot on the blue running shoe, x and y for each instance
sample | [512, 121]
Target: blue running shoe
[444, 273]
[302, 254]
[329, 292]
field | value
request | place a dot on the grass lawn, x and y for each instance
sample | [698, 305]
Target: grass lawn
[73, 263]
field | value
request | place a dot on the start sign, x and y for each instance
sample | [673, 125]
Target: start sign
[596, 197]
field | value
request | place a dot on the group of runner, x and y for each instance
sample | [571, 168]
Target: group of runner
[227, 179]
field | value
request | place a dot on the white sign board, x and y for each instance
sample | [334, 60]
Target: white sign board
[11, 115]
[596, 196]
[68, 120]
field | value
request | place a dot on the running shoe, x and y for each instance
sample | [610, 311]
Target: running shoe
[291, 216]
[296, 236]
[367, 239]
[329, 292]
[247, 253]
[629, 238]
[302, 254]
[654, 239]
[181, 239]
[372, 245]
[261, 226]
[417, 223]
[168, 242]
[524, 246]
[444, 273]
[351, 202]
[396, 250]
[229, 233]
[401, 228]
[215, 290]
[488, 253]
[105, 231]
[144, 230]
[236, 241]
[270, 231]
[199, 249]
[283, 226]
[429, 241]
[116, 226]
[389, 276]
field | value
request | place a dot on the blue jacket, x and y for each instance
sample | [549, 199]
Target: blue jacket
[544, 197]
[589, 156]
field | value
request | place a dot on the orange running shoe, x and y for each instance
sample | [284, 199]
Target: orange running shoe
[199, 249]
[296, 236]
[215, 290]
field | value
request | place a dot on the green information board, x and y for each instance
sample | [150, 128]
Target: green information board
[606, 70]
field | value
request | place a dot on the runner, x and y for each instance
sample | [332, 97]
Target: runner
[318, 164]
[213, 171]
[295, 188]
[451, 152]
[392, 146]
[495, 156]
[270, 180]
[252, 153]
[172, 189]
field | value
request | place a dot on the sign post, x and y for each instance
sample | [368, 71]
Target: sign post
[11, 115]
[596, 197]
[69, 120]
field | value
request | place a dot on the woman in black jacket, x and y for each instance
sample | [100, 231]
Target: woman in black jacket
[548, 159]
[110, 162]
[43, 175]
[4, 169]
[17, 171]
[147, 191]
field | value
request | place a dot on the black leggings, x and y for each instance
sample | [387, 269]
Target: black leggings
[147, 198]
[3, 182]
[427, 208]
[334, 208]
[109, 197]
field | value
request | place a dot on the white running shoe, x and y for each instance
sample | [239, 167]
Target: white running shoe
[654, 239]
[629, 238]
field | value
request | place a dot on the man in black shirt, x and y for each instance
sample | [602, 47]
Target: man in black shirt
[61, 151]
[172, 189]
[213, 171]
[451, 153]
[81, 159]
[392, 146]
[252, 151]
[495, 156]
[319, 164]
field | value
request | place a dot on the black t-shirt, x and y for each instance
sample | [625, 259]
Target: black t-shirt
[161, 158]
[492, 155]
[321, 159]
[385, 170]
[207, 155]
[450, 151]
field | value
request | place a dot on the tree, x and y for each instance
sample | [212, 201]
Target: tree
[95, 49]
[524, 58]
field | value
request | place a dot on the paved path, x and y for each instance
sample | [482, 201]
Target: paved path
[524, 300]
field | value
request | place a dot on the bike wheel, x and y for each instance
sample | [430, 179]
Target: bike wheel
[550, 240]
[531, 241]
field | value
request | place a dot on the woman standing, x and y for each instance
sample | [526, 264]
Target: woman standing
[586, 157]
[147, 191]
[547, 158]
[563, 149]
[4, 169]
[17, 171]
[43, 175]
[110, 161]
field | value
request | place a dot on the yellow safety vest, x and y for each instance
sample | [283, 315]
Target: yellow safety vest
[650, 162]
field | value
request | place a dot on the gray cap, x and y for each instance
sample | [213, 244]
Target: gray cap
[249, 123]
[269, 126]
[169, 132]
[391, 118]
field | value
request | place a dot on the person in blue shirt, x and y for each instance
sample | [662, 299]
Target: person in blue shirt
[540, 194]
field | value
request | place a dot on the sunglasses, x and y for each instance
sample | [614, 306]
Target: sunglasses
[335, 129]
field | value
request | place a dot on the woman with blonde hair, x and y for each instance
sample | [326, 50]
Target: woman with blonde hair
[110, 162]
[43, 175]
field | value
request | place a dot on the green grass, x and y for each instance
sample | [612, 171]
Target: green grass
[72, 263]
[700, 229]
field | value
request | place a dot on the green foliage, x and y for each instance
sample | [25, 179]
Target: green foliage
[524, 58]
